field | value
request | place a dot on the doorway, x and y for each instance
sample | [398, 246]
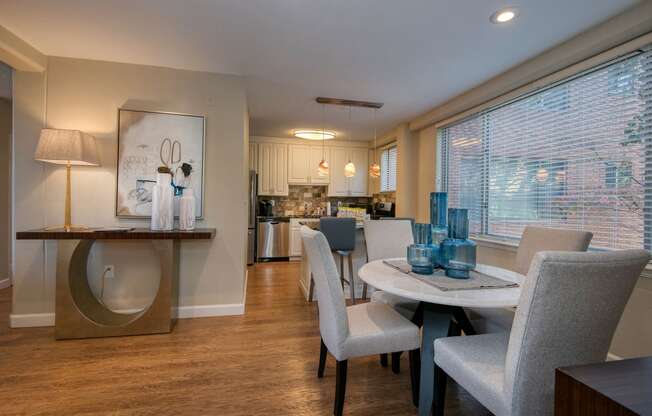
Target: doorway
[6, 267]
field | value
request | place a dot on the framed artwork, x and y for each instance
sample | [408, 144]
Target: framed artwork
[148, 140]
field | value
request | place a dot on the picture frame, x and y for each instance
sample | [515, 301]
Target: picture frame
[149, 139]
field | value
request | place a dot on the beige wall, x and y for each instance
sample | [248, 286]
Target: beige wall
[85, 95]
[5, 190]
[427, 167]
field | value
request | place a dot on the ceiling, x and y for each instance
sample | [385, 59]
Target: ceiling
[411, 55]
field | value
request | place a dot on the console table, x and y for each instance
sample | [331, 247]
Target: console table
[79, 314]
[620, 388]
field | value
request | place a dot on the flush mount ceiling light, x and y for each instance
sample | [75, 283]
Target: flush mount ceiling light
[314, 134]
[504, 15]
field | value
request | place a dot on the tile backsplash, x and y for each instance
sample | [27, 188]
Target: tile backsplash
[384, 197]
[308, 200]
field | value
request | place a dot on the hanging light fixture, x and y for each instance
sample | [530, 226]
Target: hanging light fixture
[349, 168]
[374, 168]
[322, 169]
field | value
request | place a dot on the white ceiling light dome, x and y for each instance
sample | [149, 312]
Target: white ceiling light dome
[314, 134]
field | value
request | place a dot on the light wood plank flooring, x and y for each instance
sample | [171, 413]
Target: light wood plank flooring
[264, 362]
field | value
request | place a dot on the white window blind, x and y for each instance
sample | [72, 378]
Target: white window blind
[577, 156]
[388, 170]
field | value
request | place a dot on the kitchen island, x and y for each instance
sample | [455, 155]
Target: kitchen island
[359, 259]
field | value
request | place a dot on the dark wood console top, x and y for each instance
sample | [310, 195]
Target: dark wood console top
[612, 388]
[103, 234]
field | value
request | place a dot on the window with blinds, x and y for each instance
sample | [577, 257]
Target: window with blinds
[577, 155]
[388, 170]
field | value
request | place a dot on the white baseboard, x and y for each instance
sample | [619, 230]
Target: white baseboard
[29, 320]
[204, 311]
[183, 312]
[5, 283]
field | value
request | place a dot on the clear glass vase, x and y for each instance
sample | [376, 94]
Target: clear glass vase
[438, 230]
[457, 252]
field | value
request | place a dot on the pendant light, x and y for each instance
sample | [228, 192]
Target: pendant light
[374, 168]
[322, 169]
[349, 168]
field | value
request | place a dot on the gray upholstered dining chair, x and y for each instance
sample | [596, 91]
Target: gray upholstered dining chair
[354, 331]
[570, 306]
[533, 240]
[340, 234]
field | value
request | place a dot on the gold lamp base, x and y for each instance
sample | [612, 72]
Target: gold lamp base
[67, 225]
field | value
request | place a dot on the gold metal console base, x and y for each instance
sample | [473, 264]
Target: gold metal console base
[79, 314]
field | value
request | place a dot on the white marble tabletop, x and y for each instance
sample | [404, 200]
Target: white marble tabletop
[384, 277]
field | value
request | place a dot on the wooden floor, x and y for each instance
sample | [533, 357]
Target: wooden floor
[264, 362]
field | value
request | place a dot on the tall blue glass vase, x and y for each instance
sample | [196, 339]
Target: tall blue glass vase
[439, 230]
[419, 254]
[457, 252]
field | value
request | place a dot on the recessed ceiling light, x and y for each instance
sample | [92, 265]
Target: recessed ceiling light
[314, 134]
[504, 15]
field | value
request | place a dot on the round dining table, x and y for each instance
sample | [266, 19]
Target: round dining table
[438, 308]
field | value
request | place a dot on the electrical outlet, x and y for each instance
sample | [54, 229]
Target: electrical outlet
[109, 271]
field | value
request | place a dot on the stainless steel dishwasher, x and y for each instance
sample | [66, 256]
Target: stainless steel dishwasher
[273, 238]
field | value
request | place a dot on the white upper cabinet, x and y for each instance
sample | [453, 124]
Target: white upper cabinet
[303, 161]
[272, 169]
[298, 164]
[340, 185]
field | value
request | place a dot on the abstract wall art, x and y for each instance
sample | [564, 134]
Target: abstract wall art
[150, 140]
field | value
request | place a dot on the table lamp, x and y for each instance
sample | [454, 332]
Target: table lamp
[67, 147]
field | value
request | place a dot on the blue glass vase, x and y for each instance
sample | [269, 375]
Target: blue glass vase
[439, 230]
[457, 252]
[419, 254]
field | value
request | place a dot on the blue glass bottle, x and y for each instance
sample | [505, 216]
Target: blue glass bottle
[419, 254]
[457, 252]
[439, 230]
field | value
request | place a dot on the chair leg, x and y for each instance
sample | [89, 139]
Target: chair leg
[439, 393]
[463, 321]
[383, 359]
[322, 359]
[351, 279]
[364, 291]
[415, 370]
[396, 362]
[311, 289]
[340, 387]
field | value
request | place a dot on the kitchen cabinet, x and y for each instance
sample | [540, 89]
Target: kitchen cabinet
[340, 185]
[253, 156]
[296, 249]
[303, 161]
[272, 169]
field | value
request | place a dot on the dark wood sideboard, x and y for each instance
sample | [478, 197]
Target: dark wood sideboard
[614, 388]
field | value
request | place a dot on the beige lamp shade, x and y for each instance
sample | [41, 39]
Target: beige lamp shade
[65, 147]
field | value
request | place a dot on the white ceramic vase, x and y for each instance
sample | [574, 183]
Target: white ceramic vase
[187, 210]
[163, 203]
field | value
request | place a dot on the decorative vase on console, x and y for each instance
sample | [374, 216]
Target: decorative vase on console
[420, 254]
[439, 229]
[163, 201]
[457, 252]
[187, 210]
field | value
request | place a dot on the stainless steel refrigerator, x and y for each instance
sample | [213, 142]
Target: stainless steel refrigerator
[251, 230]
